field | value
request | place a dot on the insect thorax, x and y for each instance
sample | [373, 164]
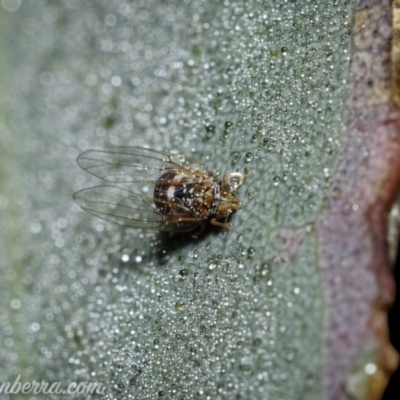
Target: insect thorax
[176, 193]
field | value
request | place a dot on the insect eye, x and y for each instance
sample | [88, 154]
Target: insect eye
[226, 187]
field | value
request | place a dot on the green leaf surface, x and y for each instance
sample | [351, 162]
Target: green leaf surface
[249, 314]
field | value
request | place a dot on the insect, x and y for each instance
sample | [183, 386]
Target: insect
[155, 190]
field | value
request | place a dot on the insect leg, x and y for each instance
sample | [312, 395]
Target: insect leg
[224, 225]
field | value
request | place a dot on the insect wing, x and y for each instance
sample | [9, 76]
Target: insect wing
[135, 164]
[119, 206]
[130, 209]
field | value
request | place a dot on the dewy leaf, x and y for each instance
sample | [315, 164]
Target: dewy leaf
[288, 305]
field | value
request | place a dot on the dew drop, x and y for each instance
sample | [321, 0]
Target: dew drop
[290, 355]
[265, 269]
[276, 180]
[370, 368]
[183, 272]
[249, 157]
[228, 125]
[125, 257]
[35, 227]
[235, 156]
[285, 175]
[250, 252]
[211, 264]
[15, 304]
[210, 131]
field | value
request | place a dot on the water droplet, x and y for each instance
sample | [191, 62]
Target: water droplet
[163, 256]
[235, 182]
[179, 306]
[249, 157]
[235, 156]
[210, 131]
[183, 272]
[250, 252]
[35, 227]
[15, 304]
[125, 257]
[239, 238]
[290, 355]
[211, 264]
[370, 368]
[285, 175]
[265, 269]
[136, 370]
[273, 53]
[276, 180]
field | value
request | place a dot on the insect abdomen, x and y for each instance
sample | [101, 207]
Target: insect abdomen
[173, 194]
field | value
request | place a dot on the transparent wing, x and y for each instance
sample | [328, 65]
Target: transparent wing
[130, 209]
[135, 164]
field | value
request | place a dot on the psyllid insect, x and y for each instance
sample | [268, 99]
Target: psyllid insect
[155, 190]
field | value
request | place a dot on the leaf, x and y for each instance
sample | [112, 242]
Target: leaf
[291, 304]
